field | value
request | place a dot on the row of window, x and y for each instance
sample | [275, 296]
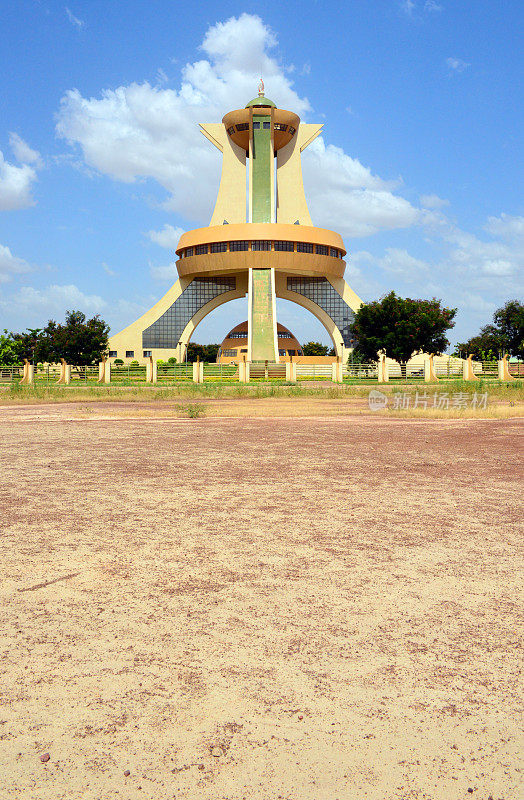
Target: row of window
[130, 353]
[261, 244]
[233, 353]
[243, 335]
[278, 126]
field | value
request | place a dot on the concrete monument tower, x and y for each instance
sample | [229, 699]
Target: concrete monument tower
[263, 245]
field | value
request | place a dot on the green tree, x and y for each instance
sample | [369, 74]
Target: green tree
[315, 349]
[206, 352]
[10, 350]
[81, 342]
[400, 327]
[509, 321]
[27, 343]
[506, 335]
[486, 346]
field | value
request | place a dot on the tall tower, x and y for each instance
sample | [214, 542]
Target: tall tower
[263, 245]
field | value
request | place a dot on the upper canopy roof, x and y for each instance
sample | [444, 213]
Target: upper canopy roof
[261, 100]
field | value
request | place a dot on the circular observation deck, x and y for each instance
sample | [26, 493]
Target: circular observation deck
[298, 249]
[282, 124]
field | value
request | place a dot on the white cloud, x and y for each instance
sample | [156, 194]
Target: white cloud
[345, 196]
[396, 261]
[15, 185]
[79, 23]
[11, 265]
[140, 131]
[108, 270]
[431, 5]
[166, 273]
[506, 226]
[168, 237]
[22, 151]
[456, 64]
[408, 6]
[432, 201]
[36, 306]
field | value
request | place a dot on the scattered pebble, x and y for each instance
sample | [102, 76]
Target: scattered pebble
[127, 773]
[301, 717]
[44, 757]
[216, 751]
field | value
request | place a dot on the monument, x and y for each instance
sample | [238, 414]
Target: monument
[263, 245]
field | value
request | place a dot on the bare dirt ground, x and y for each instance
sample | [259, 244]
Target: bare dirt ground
[312, 609]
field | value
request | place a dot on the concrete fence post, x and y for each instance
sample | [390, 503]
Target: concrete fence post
[504, 373]
[198, 372]
[101, 371]
[430, 376]
[467, 370]
[336, 371]
[291, 372]
[383, 370]
[243, 371]
[151, 371]
[107, 374]
[29, 373]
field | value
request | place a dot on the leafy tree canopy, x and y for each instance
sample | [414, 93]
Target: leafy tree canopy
[80, 341]
[401, 327]
[315, 349]
[506, 335]
[206, 352]
[10, 349]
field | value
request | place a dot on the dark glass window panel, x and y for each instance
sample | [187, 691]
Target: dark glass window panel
[113, 354]
[266, 125]
[167, 330]
[219, 247]
[238, 245]
[322, 249]
[287, 246]
[284, 335]
[229, 353]
[256, 125]
[189, 251]
[280, 127]
[201, 249]
[243, 126]
[130, 353]
[321, 292]
[238, 335]
[291, 352]
[281, 352]
[148, 353]
[291, 130]
[304, 247]
[261, 245]
[333, 252]
[231, 130]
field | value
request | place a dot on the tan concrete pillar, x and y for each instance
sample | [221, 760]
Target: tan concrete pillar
[243, 371]
[101, 371]
[67, 374]
[336, 371]
[467, 370]
[504, 373]
[430, 376]
[29, 373]
[291, 372]
[383, 370]
[107, 374]
[151, 371]
[198, 372]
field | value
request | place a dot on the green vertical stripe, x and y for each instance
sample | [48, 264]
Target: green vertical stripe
[261, 171]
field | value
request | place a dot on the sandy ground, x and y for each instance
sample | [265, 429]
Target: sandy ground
[321, 609]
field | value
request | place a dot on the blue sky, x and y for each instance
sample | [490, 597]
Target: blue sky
[419, 165]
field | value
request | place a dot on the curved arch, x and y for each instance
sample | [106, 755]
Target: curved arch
[202, 313]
